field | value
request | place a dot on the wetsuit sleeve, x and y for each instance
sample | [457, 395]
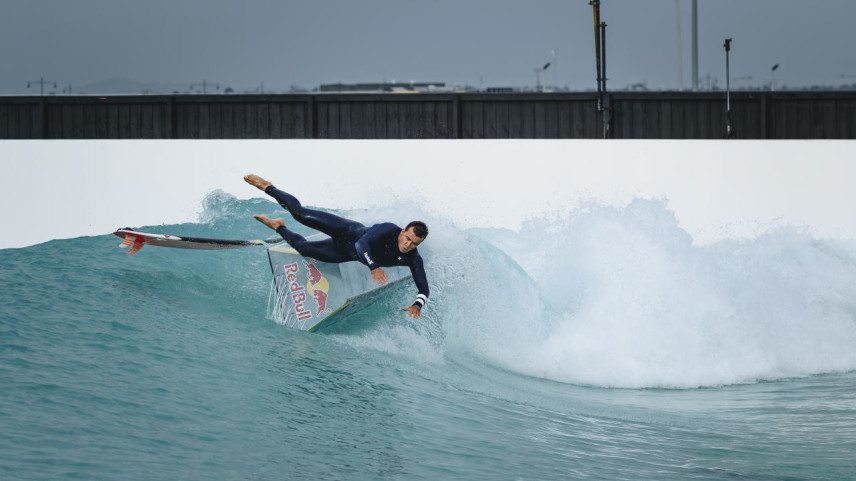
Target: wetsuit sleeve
[417, 270]
[363, 244]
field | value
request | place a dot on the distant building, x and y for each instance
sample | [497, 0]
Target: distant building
[386, 87]
[500, 90]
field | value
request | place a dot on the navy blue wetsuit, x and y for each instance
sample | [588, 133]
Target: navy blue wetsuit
[375, 246]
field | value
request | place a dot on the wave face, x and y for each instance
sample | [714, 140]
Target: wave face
[111, 364]
[604, 296]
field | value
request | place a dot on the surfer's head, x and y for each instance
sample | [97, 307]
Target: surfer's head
[411, 236]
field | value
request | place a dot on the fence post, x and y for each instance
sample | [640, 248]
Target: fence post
[43, 117]
[456, 116]
[310, 129]
[172, 115]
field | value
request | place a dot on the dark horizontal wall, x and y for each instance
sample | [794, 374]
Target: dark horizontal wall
[239, 117]
[822, 116]
[529, 116]
[21, 118]
[754, 115]
[107, 118]
[677, 117]
[395, 116]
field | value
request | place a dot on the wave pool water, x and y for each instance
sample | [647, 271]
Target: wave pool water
[604, 344]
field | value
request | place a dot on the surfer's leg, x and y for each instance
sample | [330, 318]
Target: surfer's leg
[330, 224]
[323, 250]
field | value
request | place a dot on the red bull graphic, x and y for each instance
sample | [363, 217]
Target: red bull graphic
[297, 292]
[315, 296]
[318, 287]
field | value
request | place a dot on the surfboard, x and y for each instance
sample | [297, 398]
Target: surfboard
[317, 296]
[136, 240]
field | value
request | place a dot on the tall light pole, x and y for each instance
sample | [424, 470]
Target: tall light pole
[773, 83]
[600, 63]
[695, 45]
[538, 76]
[728, 132]
[204, 85]
[680, 50]
[41, 83]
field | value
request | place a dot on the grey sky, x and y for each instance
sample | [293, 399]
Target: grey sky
[241, 44]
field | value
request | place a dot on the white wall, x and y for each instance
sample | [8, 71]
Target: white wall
[62, 189]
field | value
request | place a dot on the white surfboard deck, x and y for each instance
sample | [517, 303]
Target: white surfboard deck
[136, 240]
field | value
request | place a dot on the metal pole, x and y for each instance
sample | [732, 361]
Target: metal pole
[680, 49]
[596, 12]
[695, 45]
[606, 112]
[603, 55]
[728, 132]
[538, 76]
[41, 83]
[204, 85]
[773, 82]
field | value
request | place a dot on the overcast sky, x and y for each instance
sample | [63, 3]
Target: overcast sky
[482, 43]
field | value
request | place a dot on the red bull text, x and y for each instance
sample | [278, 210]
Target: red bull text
[298, 292]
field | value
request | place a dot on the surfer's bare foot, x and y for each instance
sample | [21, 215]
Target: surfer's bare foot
[272, 223]
[257, 181]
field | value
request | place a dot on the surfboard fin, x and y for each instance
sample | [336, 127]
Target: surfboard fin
[136, 243]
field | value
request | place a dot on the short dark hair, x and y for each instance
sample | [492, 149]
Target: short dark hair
[419, 228]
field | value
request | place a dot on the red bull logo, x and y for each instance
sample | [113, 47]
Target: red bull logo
[316, 286]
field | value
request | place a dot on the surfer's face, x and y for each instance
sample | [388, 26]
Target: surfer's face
[407, 240]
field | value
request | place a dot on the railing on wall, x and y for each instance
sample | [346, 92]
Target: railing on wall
[755, 115]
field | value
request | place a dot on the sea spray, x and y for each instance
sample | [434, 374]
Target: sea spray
[640, 306]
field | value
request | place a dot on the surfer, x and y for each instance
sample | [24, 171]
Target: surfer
[381, 245]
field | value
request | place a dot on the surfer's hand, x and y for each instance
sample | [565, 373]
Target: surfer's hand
[413, 311]
[379, 276]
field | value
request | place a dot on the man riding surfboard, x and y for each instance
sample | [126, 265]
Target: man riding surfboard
[381, 245]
